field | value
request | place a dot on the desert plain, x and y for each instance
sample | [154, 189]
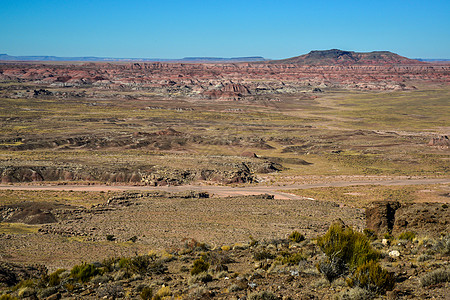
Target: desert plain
[138, 171]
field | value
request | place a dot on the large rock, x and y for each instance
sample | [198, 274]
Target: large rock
[395, 217]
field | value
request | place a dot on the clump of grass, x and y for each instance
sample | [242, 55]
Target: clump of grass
[296, 237]
[407, 235]
[199, 266]
[435, 277]
[372, 277]
[84, 272]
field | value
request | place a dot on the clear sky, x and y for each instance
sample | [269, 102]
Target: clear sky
[228, 28]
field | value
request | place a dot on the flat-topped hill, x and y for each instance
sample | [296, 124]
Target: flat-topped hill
[341, 57]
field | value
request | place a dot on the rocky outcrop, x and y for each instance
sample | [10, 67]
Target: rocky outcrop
[440, 142]
[395, 217]
[11, 274]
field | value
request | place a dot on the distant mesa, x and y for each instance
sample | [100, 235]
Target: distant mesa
[6, 57]
[341, 57]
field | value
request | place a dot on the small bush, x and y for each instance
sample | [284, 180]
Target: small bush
[199, 266]
[356, 293]
[435, 277]
[53, 279]
[264, 254]
[201, 277]
[84, 272]
[292, 259]
[372, 277]
[443, 245]
[296, 237]
[263, 295]
[110, 237]
[163, 292]
[353, 248]
[146, 293]
[407, 235]
[332, 268]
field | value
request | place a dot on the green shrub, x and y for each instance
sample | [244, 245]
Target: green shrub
[407, 235]
[372, 277]
[84, 272]
[53, 279]
[344, 244]
[146, 293]
[296, 237]
[199, 266]
[435, 277]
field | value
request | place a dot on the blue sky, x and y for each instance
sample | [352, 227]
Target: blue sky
[175, 29]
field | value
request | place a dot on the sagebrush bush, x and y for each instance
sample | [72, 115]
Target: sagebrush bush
[199, 266]
[435, 277]
[407, 235]
[341, 243]
[332, 268]
[84, 272]
[146, 293]
[443, 245]
[296, 237]
[372, 277]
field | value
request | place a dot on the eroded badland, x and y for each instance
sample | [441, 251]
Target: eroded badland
[142, 169]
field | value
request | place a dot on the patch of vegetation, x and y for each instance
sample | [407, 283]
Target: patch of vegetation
[372, 277]
[435, 277]
[350, 247]
[263, 295]
[84, 272]
[146, 293]
[407, 235]
[443, 245]
[291, 259]
[296, 237]
[370, 234]
[263, 254]
[199, 266]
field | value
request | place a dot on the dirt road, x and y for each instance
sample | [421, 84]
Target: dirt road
[275, 190]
